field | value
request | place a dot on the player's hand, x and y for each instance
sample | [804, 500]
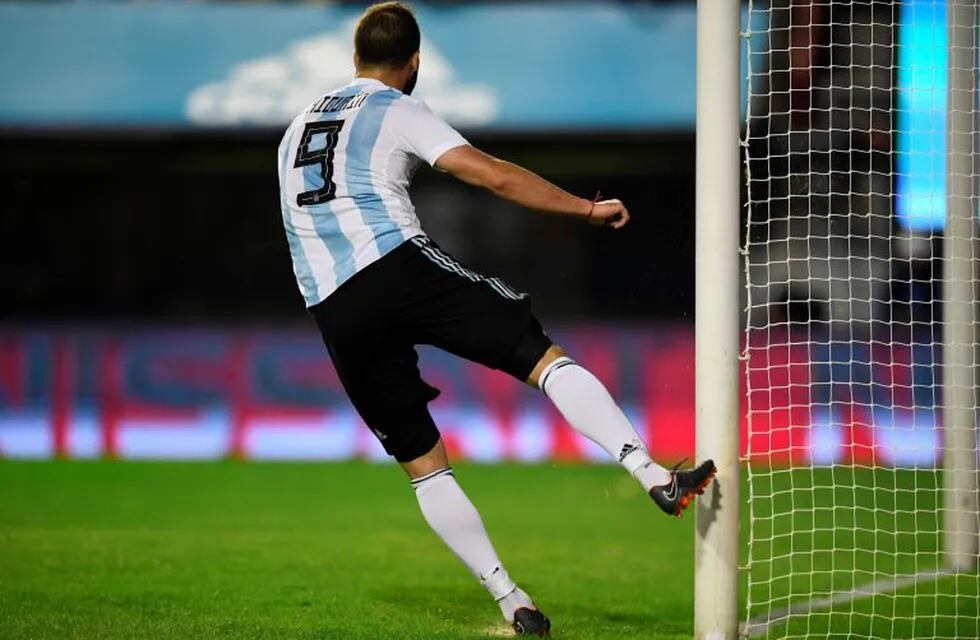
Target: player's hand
[609, 213]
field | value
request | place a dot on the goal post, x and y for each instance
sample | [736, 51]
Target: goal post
[959, 293]
[717, 317]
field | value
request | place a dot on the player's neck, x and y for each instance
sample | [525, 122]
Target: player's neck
[393, 79]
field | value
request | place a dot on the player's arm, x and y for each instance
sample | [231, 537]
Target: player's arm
[527, 189]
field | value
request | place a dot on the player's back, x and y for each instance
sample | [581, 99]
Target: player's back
[345, 165]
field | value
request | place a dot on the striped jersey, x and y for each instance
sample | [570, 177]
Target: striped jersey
[345, 165]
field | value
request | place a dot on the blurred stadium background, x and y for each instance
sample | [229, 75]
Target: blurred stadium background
[149, 310]
[148, 307]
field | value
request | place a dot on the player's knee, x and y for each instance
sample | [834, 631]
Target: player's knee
[533, 344]
[553, 353]
[435, 459]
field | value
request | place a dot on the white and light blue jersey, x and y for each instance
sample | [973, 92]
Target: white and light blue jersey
[345, 165]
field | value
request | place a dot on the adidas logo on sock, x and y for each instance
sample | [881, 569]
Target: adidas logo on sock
[626, 450]
[489, 575]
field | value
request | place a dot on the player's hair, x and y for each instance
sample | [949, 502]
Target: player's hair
[387, 35]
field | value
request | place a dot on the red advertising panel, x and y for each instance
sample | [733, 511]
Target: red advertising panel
[273, 394]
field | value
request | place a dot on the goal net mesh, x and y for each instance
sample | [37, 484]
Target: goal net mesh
[846, 261]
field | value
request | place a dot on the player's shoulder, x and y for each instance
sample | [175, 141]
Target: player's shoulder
[412, 112]
[296, 122]
[287, 136]
[404, 102]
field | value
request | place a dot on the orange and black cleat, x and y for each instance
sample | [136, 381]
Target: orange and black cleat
[674, 497]
[531, 622]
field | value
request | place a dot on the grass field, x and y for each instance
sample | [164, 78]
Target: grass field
[820, 532]
[241, 550]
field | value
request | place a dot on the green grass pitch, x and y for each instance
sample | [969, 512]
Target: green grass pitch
[827, 531]
[244, 550]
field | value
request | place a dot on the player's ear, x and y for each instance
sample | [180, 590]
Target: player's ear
[415, 61]
[357, 62]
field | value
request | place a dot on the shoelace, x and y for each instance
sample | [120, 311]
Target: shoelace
[673, 480]
[677, 466]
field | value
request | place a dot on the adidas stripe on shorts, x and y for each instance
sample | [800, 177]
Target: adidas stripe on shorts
[419, 294]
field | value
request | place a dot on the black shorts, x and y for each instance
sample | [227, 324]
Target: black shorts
[418, 294]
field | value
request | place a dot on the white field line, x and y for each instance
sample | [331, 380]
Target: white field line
[759, 625]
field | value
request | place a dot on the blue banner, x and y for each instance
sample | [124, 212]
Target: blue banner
[514, 66]
[920, 141]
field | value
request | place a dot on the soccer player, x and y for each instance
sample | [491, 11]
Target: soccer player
[377, 286]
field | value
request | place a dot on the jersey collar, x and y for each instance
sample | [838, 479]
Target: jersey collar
[369, 82]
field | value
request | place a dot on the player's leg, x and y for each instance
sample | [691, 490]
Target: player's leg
[391, 397]
[454, 519]
[363, 326]
[586, 404]
[485, 320]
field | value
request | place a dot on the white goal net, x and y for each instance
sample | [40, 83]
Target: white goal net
[860, 340]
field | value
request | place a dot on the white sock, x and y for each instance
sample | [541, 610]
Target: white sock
[591, 411]
[454, 519]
